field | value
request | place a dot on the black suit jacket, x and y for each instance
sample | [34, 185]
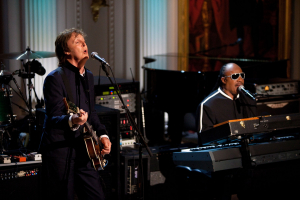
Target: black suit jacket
[58, 138]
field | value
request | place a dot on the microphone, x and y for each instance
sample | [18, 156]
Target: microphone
[97, 57]
[36, 67]
[242, 88]
[238, 41]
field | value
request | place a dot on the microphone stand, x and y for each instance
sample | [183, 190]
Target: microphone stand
[135, 127]
[29, 76]
[20, 91]
[39, 102]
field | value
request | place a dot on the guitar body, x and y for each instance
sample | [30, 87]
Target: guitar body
[91, 140]
[94, 153]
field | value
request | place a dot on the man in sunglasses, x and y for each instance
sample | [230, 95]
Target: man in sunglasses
[225, 102]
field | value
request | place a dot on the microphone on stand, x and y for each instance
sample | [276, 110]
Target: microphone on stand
[241, 88]
[238, 41]
[36, 67]
[95, 56]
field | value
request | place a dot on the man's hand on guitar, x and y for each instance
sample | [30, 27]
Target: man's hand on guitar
[80, 118]
[106, 146]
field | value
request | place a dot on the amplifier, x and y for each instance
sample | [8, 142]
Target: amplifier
[275, 87]
[106, 96]
[21, 180]
[111, 100]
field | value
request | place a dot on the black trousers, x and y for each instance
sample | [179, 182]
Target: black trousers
[63, 177]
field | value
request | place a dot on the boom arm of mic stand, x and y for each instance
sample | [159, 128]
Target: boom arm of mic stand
[20, 107]
[130, 117]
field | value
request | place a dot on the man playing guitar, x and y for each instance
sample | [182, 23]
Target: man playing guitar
[67, 165]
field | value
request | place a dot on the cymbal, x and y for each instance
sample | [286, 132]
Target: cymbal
[28, 54]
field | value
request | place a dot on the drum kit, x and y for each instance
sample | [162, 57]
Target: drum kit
[8, 122]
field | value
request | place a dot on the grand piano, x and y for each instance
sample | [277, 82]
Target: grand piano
[178, 92]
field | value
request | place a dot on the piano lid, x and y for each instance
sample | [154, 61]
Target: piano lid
[168, 88]
[200, 64]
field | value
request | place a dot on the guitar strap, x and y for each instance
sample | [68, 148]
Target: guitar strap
[66, 83]
[85, 83]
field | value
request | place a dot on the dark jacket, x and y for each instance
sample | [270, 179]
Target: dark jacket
[58, 139]
[219, 107]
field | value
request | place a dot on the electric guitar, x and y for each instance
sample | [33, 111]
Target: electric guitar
[91, 140]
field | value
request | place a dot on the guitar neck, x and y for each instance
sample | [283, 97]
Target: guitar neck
[72, 108]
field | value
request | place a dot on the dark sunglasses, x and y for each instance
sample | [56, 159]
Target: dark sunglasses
[236, 75]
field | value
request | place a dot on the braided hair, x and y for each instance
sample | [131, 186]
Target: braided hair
[221, 74]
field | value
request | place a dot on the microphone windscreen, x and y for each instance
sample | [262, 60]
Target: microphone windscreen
[93, 54]
[240, 88]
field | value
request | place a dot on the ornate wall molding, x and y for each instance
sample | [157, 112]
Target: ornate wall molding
[111, 33]
[78, 14]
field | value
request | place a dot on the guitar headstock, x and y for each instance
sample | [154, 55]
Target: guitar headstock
[72, 108]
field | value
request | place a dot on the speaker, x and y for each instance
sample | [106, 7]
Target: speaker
[131, 175]
[110, 176]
